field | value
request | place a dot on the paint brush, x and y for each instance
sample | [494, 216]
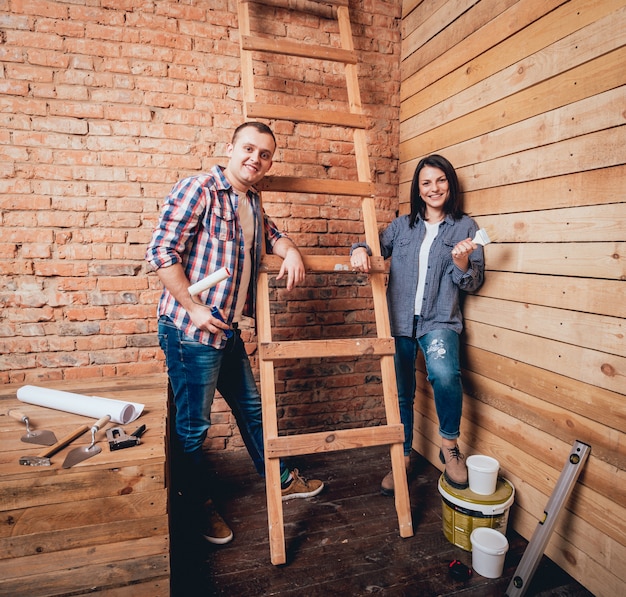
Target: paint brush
[481, 237]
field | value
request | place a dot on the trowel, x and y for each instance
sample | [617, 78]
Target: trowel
[79, 454]
[42, 437]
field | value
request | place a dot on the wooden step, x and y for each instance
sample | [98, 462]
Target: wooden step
[290, 48]
[337, 118]
[301, 5]
[322, 264]
[342, 439]
[323, 186]
[312, 349]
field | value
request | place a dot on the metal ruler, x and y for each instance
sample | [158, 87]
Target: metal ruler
[537, 545]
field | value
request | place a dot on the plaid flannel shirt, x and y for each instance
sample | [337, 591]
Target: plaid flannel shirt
[199, 228]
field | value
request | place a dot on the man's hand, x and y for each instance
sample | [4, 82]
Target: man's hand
[292, 264]
[174, 279]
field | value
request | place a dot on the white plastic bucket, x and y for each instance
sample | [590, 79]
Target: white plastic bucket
[463, 511]
[482, 472]
[489, 549]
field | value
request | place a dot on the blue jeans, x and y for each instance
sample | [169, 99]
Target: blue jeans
[441, 354]
[195, 371]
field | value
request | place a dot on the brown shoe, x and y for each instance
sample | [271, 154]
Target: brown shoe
[301, 488]
[215, 528]
[456, 471]
[386, 486]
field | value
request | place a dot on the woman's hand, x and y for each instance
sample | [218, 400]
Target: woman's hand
[360, 260]
[461, 253]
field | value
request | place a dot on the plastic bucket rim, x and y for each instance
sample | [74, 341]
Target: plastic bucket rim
[492, 551]
[471, 463]
[486, 509]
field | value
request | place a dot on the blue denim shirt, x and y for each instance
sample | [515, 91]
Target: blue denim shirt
[441, 306]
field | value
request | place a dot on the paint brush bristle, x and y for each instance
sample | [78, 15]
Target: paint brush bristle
[481, 237]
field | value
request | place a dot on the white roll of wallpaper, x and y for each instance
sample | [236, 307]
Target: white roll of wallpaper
[211, 280]
[95, 407]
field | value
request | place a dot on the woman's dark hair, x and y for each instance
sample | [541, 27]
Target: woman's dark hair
[452, 206]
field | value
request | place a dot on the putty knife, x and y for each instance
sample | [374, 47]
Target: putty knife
[42, 437]
[79, 454]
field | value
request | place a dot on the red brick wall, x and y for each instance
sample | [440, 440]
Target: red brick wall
[103, 108]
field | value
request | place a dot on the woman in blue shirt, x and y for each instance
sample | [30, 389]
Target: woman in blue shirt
[433, 259]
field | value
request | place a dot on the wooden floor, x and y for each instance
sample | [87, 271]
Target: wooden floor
[343, 542]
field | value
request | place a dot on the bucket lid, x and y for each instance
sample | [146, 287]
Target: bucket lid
[496, 503]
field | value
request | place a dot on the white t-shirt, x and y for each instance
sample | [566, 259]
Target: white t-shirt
[431, 233]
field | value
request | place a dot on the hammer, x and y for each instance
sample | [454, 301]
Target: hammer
[43, 458]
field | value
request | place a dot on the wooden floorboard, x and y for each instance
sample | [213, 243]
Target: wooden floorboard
[343, 542]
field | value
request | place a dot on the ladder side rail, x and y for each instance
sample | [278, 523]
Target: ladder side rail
[270, 428]
[247, 72]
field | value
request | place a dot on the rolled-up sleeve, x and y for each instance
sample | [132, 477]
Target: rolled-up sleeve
[177, 223]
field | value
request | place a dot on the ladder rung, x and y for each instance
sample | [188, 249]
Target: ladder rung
[322, 264]
[272, 111]
[302, 5]
[312, 349]
[342, 439]
[290, 48]
[323, 186]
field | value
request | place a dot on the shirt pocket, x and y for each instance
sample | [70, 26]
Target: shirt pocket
[221, 223]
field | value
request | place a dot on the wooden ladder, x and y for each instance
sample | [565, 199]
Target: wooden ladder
[392, 433]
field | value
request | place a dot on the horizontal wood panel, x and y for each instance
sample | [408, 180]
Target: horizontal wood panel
[600, 405]
[589, 366]
[587, 296]
[563, 55]
[598, 260]
[609, 445]
[501, 120]
[490, 27]
[577, 189]
[599, 112]
[83, 512]
[566, 20]
[593, 223]
[43, 538]
[597, 332]
[68, 579]
[418, 28]
[601, 149]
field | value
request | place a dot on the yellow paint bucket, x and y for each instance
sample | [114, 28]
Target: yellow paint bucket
[463, 511]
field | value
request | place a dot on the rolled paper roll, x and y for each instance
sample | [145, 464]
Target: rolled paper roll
[208, 282]
[79, 404]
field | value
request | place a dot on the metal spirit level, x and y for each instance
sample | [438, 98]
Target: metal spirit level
[537, 545]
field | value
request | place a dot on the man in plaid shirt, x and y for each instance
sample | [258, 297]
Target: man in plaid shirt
[208, 222]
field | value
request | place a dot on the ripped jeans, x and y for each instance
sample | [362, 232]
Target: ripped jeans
[441, 354]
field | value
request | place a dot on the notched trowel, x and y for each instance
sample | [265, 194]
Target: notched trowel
[79, 454]
[42, 437]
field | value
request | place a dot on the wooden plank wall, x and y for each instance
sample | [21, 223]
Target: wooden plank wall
[527, 99]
